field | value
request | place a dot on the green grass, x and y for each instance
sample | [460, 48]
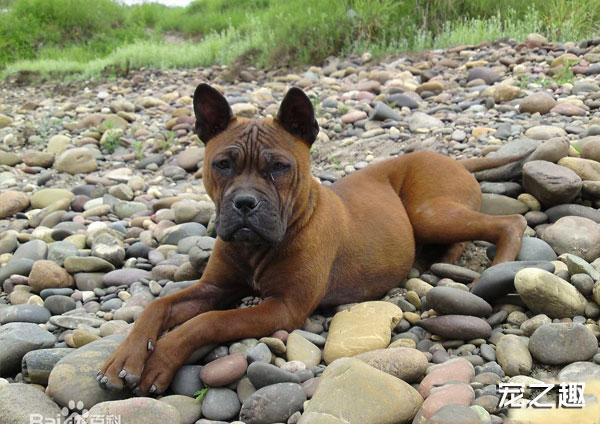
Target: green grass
[564, 73]
[111, 139]
[83, 38]
[167, 142]
[138, 149]
[476, 30]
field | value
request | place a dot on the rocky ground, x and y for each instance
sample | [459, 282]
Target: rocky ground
[102, 210]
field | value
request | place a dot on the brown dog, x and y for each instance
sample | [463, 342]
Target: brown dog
[296, 243]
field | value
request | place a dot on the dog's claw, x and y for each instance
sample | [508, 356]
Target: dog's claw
[122, 373]
[137, 391]
[99, 376]
[150, 346]
[152, 389]
[132, 380]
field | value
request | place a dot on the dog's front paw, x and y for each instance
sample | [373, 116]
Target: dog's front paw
[161, 367]
[125, 366]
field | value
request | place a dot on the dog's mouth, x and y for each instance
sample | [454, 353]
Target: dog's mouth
[262, 227]
[246, 234]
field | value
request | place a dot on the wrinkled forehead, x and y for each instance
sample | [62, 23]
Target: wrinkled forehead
[251, 136]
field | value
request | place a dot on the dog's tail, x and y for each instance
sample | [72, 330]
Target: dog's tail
[479, 164]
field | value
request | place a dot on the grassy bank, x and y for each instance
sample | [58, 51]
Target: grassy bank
[87, 38]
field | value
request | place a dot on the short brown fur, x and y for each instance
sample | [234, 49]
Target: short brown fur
[348, 243]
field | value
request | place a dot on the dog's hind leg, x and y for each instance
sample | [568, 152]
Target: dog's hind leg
[443, 221]
[453, 253]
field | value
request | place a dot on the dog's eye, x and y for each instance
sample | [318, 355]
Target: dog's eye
[280, 167]
[223, 164]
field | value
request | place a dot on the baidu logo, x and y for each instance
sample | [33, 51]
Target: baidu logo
[74, 413]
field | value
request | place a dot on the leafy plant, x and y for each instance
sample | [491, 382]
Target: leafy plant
[336, 163]
[167, 142]
[565, 74]
[138, 149]
[110, 141]
[524, 81]
[201, 394]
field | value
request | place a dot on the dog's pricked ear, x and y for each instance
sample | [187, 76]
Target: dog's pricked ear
[297, 116]
[212, 112]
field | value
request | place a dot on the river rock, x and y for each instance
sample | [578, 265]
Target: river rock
[190, 158]
[79, 160]
[300, 349]
[461, 327]
[33, 249]
[513, 355]
[178, 232]
[262, 374]
[220, 404]
[75, 264]
[136, 410]
[125, 276]
[5, 120]
[576, 235]
[486, 74]
[497, 204]
[544, 132]
[58, 144]
[74, 376]
[24, 313]
[364, 327]
[458, 370]
[587, 169]
[549, 294]
[25, 403]
[187, 380]
[60, 250]
[561, 343]
[16, 267]
[449, 300]
[454, 272]
[549, 183]
[47, 196]
[262, 353]
[189, 408]
[12, 202]
[47, 274]
[449, 394]
[579, 371]
[572, 209]
[422, 121]
[455, 414]
[576, 265]
[405, 363]
[273, 404]
[505, 93]
[224, 371]
[16, 340]
[356, 393]
[540, 102]
[37, 364]
[58, 305]
[532, 249]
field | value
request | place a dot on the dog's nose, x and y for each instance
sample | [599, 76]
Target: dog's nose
[245, 202]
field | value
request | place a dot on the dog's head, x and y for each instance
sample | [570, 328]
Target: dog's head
[256, 171]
